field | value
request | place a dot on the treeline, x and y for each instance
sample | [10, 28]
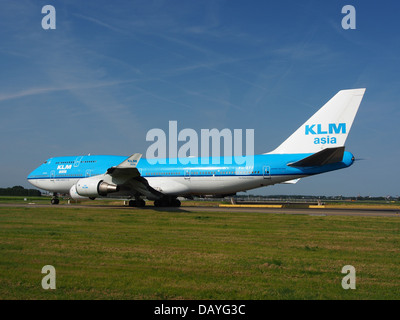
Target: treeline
[19, 191]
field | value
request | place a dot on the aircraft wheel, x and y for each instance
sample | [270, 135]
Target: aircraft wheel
[55, 201]
[161, 203]
[175, 203]
[132, 203]
[142, 203]
[165, 202]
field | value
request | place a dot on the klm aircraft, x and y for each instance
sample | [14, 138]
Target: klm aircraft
[316, 147]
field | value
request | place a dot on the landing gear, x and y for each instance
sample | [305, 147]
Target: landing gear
[55, 199]
[167, 202]
[137, 203]
[175, 203]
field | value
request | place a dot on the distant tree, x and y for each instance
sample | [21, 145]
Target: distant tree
[19, 191]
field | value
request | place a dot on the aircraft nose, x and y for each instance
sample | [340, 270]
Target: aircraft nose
[32, 181]
[31, 178]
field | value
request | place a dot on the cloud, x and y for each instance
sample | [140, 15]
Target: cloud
[100, 23]
[45, 90]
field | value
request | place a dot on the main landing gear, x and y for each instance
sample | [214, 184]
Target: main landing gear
[55, 199]
[163, 202]
[167, 202]
[137, 203]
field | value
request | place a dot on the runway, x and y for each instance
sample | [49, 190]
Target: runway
[310, 212]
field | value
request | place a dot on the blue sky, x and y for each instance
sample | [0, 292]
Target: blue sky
[113, 70]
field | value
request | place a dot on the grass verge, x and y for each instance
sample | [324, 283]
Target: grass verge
[131, 253]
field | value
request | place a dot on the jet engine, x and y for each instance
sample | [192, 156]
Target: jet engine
[74, 195]
[92, 188]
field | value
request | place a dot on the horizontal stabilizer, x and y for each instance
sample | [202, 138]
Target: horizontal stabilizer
[321, 158]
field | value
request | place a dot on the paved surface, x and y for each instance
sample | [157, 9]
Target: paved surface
[312, 212]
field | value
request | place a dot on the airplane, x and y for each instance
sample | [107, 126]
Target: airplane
[316, 147]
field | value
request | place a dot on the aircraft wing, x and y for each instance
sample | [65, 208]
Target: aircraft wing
[128, 177]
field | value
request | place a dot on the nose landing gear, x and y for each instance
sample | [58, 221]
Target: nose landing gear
[55, 199]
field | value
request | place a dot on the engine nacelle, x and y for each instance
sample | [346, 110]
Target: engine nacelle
[74, 195]
[93, 188]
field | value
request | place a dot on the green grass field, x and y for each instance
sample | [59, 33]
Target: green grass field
[130, 253]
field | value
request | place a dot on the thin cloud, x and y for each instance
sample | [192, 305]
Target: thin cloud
[45, 90]
[101, 23]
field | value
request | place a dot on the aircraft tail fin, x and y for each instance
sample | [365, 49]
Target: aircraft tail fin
[328, 127]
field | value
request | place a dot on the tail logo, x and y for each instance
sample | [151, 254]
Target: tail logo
[332, 128]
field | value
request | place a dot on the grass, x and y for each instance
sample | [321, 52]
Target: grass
[130, 253]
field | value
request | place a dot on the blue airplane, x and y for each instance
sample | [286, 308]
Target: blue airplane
[315, 147]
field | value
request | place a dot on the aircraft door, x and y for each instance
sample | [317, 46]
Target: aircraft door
[52, 175]
[187, 174]
[77, 161]
[88, 173]
[267, 172]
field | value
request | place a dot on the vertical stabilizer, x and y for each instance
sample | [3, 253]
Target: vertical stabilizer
[328, 128]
